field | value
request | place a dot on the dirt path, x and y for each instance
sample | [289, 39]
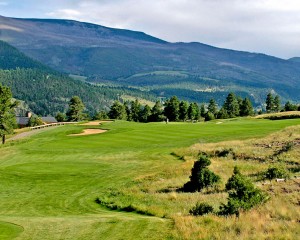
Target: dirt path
[28, 134]
[85, 132]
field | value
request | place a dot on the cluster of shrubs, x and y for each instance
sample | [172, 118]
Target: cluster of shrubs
[242, 194]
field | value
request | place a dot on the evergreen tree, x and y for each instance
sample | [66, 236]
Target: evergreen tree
[277, 104]
[7, 116]
[290, 107]
[201, 177]
[145, 114]
[270, 103]
[222, 114]
[60, 117]
[117, 111]
[246, 108]
[136, 108]
[128, 111]
[231, 105]
[156, 113]
[242, 194]
[202, 110]
[194, 111]
[209, 116]
[183, 110]
[102, 115]
[240, 102]
[212, 107]
[75, 112]
[171, 110]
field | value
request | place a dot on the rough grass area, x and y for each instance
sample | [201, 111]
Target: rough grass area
[50, 182]
[280, 115]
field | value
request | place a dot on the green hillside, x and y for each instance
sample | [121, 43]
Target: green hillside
[46, 91]
[136, 59]
[50, 181]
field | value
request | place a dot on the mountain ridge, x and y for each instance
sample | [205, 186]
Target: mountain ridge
[121, 56]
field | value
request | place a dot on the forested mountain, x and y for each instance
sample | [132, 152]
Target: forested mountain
[193, 71]
[47, 91]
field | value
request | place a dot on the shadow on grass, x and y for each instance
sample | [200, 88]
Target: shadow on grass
[129, 208]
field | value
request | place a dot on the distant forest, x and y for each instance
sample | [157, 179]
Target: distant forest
[47, 92]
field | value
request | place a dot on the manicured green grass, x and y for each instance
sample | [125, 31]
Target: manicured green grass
[49, 182]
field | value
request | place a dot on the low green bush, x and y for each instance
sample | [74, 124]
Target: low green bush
[201, 209]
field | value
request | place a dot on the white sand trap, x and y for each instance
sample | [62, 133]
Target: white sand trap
[219, 122]
[94, 123]
[89, 132]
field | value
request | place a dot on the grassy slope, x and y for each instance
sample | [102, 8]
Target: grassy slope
[50, 181]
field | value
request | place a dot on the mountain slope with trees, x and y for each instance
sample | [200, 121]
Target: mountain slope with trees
[47, 91]
[194, 71]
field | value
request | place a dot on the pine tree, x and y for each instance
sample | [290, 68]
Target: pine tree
[183, 110]
[201, 177]
[246, 108]
[202, 110]
[277, 104]
[60, 117]
[156, 113]
[145, 114]
[194, 111]
[75, 112]
[212, 107]
[128, 111]
[222, 114]
[242, 194]
[136, 108]
[270, 103]
[7, 116]
[117, 111]
[240, 102]
[102, 115]
[171, 110]
[290, 107]
[231, 105]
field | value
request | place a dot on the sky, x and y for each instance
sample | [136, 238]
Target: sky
[265, 26]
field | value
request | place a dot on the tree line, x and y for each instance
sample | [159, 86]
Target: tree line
[175, 110]
[273, 104]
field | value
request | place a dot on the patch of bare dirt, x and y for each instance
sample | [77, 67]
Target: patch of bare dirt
[89, 132]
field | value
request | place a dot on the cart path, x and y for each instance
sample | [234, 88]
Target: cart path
[28, 133]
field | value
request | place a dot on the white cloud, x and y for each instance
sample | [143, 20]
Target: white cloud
[65, 13]
[268, 26]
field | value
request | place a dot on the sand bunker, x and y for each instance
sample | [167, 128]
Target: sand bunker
[89, 132]
[95, 123]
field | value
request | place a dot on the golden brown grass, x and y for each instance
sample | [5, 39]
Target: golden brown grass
[289, 113]
[277, 219]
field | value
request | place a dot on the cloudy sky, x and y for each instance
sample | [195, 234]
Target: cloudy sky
[266, 26]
